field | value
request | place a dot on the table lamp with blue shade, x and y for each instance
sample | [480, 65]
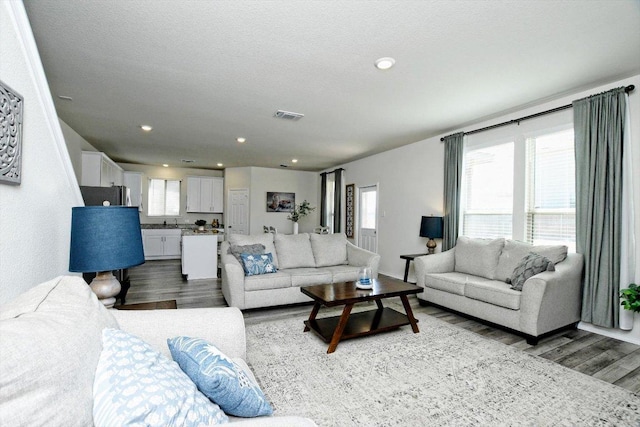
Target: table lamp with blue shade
[431, 227]
[105, 238]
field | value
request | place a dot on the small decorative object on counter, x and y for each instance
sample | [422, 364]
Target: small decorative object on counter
[215, 223]
[201, 223]
[364, 279]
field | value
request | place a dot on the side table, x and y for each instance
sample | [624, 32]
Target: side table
[409, 258]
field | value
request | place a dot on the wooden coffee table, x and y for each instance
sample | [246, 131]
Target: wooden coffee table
[334, 329]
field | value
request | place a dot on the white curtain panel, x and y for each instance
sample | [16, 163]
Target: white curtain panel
[629, 204]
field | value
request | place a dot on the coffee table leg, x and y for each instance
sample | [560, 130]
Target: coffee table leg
[312, 316]
[407, 309]
[337, 334]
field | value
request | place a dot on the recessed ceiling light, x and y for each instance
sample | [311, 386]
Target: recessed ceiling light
[294, 160]
[66, 98]
[220, 165]
[146, 128]
[241, 140]
[384, 63]
[165, 165]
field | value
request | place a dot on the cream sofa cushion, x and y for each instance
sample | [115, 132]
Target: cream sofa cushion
[329, 249]
[478, 256]
[514, 251]
[51, 339]
[265, 239]
[294, 251]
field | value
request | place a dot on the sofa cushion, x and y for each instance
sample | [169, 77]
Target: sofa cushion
[51, 342]
[514, 251]
[329, 249]
[448, 282]
[267, 281]
[257, 264]
[265, 239]
[309, 276]
[136, 385]
[494, 292]
[219, 378]
[343, 273]
[529, 266]
[237, 250]
[478, 257]
[294, 251]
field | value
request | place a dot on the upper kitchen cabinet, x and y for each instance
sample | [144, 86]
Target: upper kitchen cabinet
[205, 194]
[133, 181]
[98, 170]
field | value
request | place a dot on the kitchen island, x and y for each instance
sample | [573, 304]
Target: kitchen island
[200, 253]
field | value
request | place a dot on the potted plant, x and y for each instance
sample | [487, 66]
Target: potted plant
[201, 223]
[299, 211]
[631, 298]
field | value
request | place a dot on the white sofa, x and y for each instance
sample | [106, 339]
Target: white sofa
[301, 259]
[51, 340]
[471, 279]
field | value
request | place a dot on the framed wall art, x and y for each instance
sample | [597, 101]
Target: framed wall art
[351, 209]
[278, 201]
[10, 135]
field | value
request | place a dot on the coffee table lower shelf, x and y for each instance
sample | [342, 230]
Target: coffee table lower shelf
[359, 324]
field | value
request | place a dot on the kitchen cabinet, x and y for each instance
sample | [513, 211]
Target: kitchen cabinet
[133, 181]
[200, 256]
[98, 170]
[205, 194]
[161, 244]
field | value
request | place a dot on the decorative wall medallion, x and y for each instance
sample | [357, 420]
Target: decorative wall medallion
[351, 200]
[10, 135]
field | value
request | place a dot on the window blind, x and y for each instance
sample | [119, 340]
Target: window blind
[487, 195]
[164, 197]
[551, 198]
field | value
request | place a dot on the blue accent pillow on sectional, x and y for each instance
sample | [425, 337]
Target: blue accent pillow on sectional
[219, 378]
[257, 264]
[136, 385]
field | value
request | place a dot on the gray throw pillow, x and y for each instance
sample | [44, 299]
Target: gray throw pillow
[236, 250]
[529, 266]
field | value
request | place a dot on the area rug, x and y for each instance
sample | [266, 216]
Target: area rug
[443, 375]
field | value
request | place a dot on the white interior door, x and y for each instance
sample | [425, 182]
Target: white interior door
[368, 218]
[238, 217]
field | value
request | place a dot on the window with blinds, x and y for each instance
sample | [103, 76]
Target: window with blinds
[487, 193]
[551, 196]
[164, 197]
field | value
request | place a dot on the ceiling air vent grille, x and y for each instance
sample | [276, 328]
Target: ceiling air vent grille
[288, 115]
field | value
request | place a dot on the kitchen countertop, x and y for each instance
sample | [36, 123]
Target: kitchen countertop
[187, 229]
[205, 232]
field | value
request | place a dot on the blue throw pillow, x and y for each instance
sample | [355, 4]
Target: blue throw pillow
[219, 378]
[136, 385]
[257, 264]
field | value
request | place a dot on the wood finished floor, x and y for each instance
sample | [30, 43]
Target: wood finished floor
[616, 362]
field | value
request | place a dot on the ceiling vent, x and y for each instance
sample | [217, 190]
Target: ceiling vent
[187, 161]
[288, 115]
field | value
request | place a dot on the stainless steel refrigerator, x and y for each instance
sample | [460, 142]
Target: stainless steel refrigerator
[118, 195]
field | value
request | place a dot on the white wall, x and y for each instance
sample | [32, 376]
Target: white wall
[261, 180]
[171, 173]
[35, 217]
[75, 146]
[411, 184]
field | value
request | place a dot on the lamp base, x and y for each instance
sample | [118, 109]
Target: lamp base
[431, 246]
[106, 287]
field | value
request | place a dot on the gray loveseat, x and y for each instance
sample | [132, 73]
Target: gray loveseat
[301, 259]
[51, 340]
[471, 278]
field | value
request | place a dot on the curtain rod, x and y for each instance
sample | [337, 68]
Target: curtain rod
[627, 89]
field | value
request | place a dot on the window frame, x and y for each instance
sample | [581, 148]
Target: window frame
[164, 194]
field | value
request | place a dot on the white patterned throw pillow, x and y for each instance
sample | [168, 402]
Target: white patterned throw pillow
[137, 386]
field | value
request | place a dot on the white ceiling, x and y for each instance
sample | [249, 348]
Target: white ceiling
[205, 72]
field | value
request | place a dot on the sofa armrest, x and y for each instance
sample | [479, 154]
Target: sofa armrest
[223, 327]
[552, 299]
[232, 278]
[443, 262]
[363, 258]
